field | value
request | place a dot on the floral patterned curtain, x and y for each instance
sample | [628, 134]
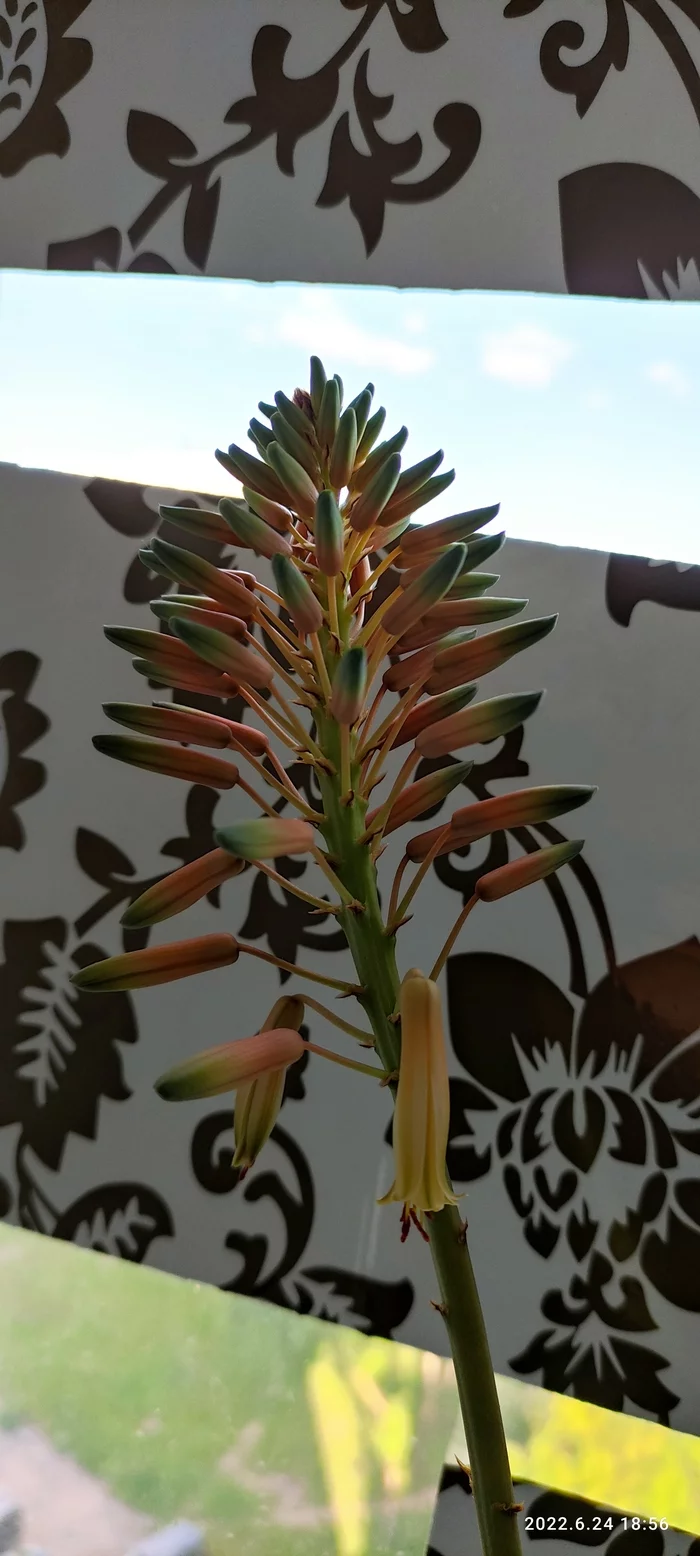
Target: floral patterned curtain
[502, 144]
[574, 1017]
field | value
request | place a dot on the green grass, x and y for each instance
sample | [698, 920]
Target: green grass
[147, 1382]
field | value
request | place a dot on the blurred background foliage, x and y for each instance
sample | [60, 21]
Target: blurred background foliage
[255, 1424]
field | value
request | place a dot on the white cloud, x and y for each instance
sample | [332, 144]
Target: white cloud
[669, 376]
[415, 322]
[319, 323]
[597, 400]
[525, 355]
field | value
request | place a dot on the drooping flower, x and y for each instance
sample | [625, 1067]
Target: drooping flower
[422, 1113]
[258, 1101]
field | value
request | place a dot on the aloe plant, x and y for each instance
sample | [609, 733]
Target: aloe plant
[332, 510]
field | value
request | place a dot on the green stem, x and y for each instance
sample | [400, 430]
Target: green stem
[374, 954]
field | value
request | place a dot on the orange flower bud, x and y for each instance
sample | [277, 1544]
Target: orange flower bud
[230, 1065]
[157, 964]
[181, 888]
[484, 721]
[523, 808]
[522, 872]
[170, 760]
[470, 660]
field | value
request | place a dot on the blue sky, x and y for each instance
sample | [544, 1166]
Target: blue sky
[579, 415]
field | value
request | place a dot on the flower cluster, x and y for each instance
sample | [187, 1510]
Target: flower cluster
[333, 511]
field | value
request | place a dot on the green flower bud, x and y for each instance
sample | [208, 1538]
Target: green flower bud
[299, 598]
[369, 437]
[252, 531]
[362, 405]
[317, 383]
[372, 501]
[289, 439]
[425, 592]
[295, 481]
[328, 534]
[344, 450]
[329, 414]
[349, 686]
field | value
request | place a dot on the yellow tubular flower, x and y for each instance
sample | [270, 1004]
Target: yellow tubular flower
[258, 1102]
[422, 1113]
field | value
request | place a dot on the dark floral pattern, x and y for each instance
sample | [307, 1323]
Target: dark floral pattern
[630, 580]
[285, 108]
[583, 79]
[555, 1103]
[39, 65]
[59, 1052]
[21, 725]
[630, 231]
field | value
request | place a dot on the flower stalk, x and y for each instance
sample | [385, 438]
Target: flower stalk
[332, 511]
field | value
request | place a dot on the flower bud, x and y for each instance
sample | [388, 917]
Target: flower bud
[328, 534]
[469, 661]
[317, 383]
[523, 808]
[349, 686]
[400, 507]
[145, 642]
[259, 435]
[405, 672]
[195, 521]
[258, 1102]
[216, 648]
[169, 605]
[295, 480]
[202, 577]
[424, 592]
[366, 509]
[369, 437]
[422, 1112]
[170, 673]
[235, 626]
[230, 1065]
[267, 838]
[450, 614]
[328, 413]
[472, 726]
[252, 472]
[423, 795]
[157, 964]
[293, 414]
[252, 531]
[181, 888]
[294, 444]
[172, 761]
[367, 470]
[522, 872]
[344, 450]
[298, 596]
[415, 476]
[252, 740]
[361, 405]
[430, 537]
[431, 711]
[471, 585]
[273, 513]
[171, 723]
